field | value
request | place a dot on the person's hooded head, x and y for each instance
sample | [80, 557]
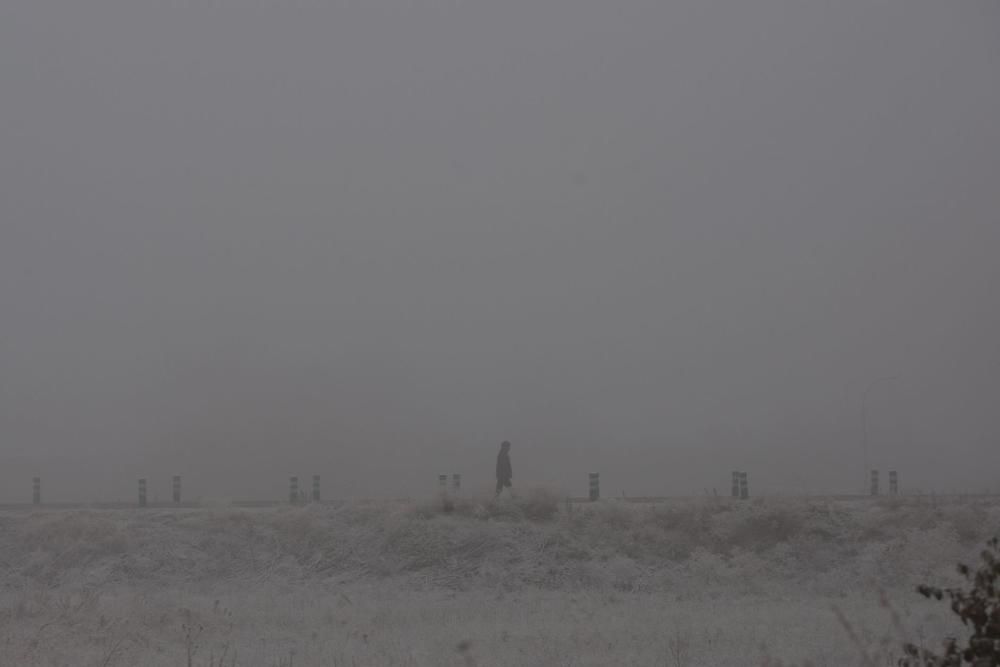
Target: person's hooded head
[505, 446]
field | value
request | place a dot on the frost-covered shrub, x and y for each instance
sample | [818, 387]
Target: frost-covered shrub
[979, 609]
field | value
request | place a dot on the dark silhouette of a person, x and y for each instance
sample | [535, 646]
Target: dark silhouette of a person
[504, 472]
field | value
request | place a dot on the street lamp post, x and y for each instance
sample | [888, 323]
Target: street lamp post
[864, 419]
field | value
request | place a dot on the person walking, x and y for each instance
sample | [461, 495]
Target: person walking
[504, 472]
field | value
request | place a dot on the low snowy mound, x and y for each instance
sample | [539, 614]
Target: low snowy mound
[535, 540]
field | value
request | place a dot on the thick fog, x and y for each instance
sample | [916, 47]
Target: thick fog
[372, 239]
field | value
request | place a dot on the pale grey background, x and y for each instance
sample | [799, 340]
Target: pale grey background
[243, 238]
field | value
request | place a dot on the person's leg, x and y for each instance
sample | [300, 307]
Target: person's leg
[499, 488]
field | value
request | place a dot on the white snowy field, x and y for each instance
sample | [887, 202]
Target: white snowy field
[526, 582]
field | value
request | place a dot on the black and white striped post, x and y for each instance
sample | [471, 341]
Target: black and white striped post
[744, 487]
[874, 489]
[142, 492]
[315, 488]
[456, 482]
[177, 489]
[595, 486]
[736, 484]
[36, 491]
[893, 483]
[293, 490]
[443, 483]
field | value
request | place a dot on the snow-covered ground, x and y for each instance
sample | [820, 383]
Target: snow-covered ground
[526, 582]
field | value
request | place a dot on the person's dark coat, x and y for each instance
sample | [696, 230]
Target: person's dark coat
[504, 471]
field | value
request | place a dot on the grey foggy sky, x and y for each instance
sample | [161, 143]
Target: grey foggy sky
[371, 239]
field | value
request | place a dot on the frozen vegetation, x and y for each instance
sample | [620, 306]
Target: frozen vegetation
[532, 581]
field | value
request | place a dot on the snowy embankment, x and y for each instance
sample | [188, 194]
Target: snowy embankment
[684, 582]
